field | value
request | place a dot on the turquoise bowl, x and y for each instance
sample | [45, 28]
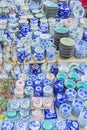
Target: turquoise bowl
[74, 76]
[62, 76]
[11, 115]
[73, 68]
[81, 84]
[70, 83]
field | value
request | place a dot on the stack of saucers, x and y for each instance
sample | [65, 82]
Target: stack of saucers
[66, 48]
[59, 32]
[51, 10]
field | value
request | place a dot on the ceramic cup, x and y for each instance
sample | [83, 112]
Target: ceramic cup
[51, 53]
[44, 40]
[39, 53]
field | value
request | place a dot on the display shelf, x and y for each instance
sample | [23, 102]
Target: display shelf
[72, 59]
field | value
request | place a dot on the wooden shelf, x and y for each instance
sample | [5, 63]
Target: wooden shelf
[72, 59]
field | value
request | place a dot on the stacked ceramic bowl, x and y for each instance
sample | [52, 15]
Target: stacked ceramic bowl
[66, 48]
[51, 10]
[59, 33]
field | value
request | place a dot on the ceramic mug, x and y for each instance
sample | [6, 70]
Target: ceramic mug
[45, 40]
[39, 53]
[51, 53]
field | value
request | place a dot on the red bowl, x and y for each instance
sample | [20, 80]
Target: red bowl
[84, 3]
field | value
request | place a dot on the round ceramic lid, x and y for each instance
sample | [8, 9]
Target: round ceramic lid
[30, 16]
[35, 11]
[67, 41]
[44, 36]
[61, 30]
[39, 15]
[47, 125]
[52, 5]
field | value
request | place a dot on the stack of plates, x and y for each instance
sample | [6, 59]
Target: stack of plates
[59, 32]
[51, 10]
[66, 48]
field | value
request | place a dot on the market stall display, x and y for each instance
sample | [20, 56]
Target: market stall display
[38, 85]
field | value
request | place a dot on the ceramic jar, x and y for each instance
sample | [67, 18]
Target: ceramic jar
[63, 10]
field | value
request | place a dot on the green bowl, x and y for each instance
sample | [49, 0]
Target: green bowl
[81, 84]
[70, 83]
[74, 76]
[48, 125]
[62, 76]
[12, 115]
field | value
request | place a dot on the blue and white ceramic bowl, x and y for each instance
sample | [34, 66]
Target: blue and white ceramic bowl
[47, 91]
[82, 119]
[7, 125]
[37, 82]
[77, 106]
[71, 94]
[46, 82]
[20, 124]
[60, 125]
[72, 124]
[61, 98]
[41, 76]
[35, 70]
[65, 110]
[34, 125]
[38, 91]
[29, 83]
[58, 86]
[82, 93]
